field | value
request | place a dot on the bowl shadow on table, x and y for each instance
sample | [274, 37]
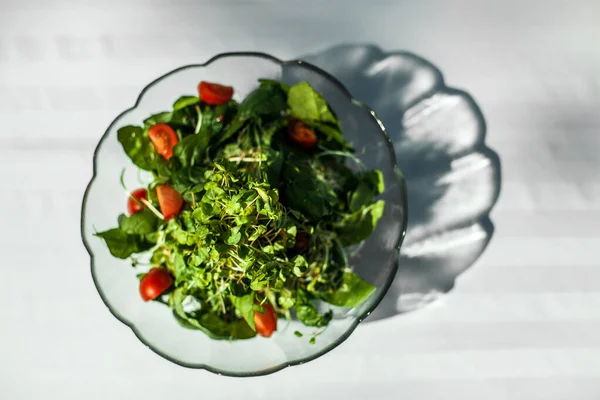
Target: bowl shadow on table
[453, 178]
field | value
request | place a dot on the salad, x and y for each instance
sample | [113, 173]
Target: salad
[250, 212]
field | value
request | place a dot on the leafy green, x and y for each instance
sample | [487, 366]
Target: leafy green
[245, 306]
[138, 147]
[123, 245]
[162, 117]
[264, 221]
[352, 292]
[191, 150]
[355, 227]
[185, 101]
[307, 313]
[306, 104]
[267, 100]
[305, 191]
[141, 223]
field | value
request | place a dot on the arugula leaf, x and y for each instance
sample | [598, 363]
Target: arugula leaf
[307, 313]
[138, 147]
[245, 306]
[122, 245]
[355, 227]
[185, 101]
[191, 150]
[351, 293]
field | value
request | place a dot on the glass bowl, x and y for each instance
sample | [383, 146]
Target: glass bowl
[153, 323]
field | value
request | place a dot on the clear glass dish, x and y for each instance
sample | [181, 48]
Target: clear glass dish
[153, 323]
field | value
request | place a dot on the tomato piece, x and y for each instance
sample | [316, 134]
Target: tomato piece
[134, 206]
[302, 242]
[265, 323]
[163, 138]
[169, 200]
[214, 94]
[154, 283]
[301, 135]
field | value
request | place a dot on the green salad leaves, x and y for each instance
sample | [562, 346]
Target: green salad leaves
[250, 211]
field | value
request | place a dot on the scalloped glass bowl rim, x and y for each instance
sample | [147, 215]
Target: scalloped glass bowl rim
[397, 246]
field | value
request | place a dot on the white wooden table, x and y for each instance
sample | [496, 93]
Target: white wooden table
[522, 323]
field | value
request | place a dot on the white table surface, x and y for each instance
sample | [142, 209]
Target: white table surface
[522, 323]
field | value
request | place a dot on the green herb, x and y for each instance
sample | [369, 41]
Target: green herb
[263, 223]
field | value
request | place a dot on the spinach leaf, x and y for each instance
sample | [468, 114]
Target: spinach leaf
[374, 179]
[369, 184]
[355, 227]
[307, 313]
[141, 223]
[192, 149]
[162, 117]
[332, 131]
[360, 197]
[237, 329]
[211, 324]
[185, 101]
[308, 105]
[351, 293]
[138, 147]
[305, 191]
[267, 100]
[281, 85]
[245, 306]
[123, 245]
[272, 165]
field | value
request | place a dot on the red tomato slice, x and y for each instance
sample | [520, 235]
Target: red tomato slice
[163, 138]
[154, 283]
[169, 200]
[134, 206]
[265, 323]
[214, 94]
[301, 135]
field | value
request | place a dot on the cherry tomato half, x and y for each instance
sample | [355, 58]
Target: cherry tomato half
[163, 138]
[169, 200]
[301, 135]
[214, 94]
[134, 206]
[265, 323]
[154, 283]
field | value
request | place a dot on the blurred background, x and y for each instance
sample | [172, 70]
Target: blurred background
[522, 319]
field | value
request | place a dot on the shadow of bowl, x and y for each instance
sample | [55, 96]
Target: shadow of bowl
[453, 178]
